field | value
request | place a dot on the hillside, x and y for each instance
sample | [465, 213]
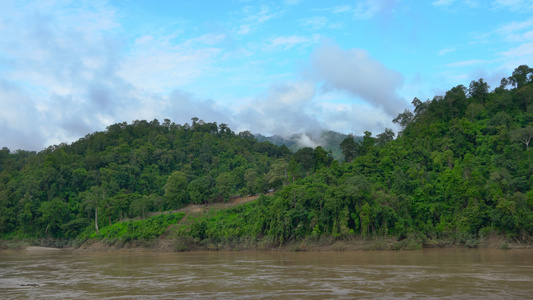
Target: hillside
[132, 169]
[460, 171]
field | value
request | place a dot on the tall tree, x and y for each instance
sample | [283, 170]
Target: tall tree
[306, 158]
[523, 135]
[521, 76]
[478, 90]
[92, 199]
[349, 148]
[367, 143]
[385, 137]
[404, 119]
[176, 190]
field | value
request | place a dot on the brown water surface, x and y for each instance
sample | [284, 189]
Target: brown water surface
[431, 273]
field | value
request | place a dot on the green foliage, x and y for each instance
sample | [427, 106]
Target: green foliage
[461, 167]
[128, 171]
[128, 231]
[349, 148]
[176, 190]
[201, 190]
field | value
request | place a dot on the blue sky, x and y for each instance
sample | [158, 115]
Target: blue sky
[69, 68]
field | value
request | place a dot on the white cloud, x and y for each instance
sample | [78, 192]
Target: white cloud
[366, 9]
[181, 106]
[304, 140]
[514, 5]
[254, 17]
[455, 4]
[292, 2]
[444, 2]
[523, 52]
[144, 39]
[517, 31]
[259, 16]
[286, 108]
[518, 38]
[314, 22]
[61, 71]
[466, 63]
[341, 9]
[244, 29]
[355, 118]
[513, 27]
[355, 72]
[446, 51]
[369, 8]
[19, 131]
[287, 42]
[209, 39]
[158, 65]
[66, 73]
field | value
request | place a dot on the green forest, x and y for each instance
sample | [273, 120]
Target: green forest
[459, 169]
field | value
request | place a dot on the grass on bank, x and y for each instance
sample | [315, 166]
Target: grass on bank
[128, 231]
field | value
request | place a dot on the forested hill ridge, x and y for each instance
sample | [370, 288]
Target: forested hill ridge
[132, 169]
[460, 170]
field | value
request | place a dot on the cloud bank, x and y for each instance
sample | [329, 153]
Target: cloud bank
[67, 70]
[355, 72]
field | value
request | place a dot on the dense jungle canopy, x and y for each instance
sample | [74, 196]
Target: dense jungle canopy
[461, 167]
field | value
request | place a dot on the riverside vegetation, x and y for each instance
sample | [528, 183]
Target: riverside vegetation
[460, 171]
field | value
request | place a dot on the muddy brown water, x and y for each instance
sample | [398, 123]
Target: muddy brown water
[430, 273]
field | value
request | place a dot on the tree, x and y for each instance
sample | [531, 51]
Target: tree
[523, 135]
[278, 175]
[246, 134]
[420, 107]
[305, 157]
[176, 190]
[294, 169]
[385, 137]
[456, 100]
[322, 158]
[224, 185]
[201, 189]
[92, 198]
[53, 214]
[349, 148]
[478, 90]
[250, 177]
[194, 122]
[141, 204]
[521, 76]
[79, 177]
[474, 111]
[524, 96]
[404, 119]
[367, 143]
[503, 84]
[224, 129]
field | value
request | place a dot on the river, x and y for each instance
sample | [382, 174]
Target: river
[429, 273]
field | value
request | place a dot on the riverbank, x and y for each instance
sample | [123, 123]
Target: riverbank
[41, 249]
[170, 232]
[309, 244]
[251, 244]
[29, 244]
